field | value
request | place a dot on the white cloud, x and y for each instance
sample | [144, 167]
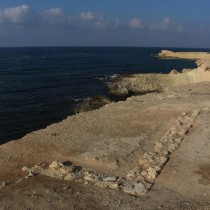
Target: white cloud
[135, 23]
[16, 15]
[97, 21]
[87, 16]
[54, 16]
[165, 25]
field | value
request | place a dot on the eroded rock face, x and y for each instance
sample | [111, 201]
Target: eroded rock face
[138, 84]
[204, 64]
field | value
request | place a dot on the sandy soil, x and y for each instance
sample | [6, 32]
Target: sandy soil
[110, 141]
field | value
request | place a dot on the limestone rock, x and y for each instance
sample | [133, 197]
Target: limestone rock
[92, 104]
[171, 148]
[52, 173]
[135, 188]
[64, 169]
[26, 168]
[92, 177]
[73, 176]
[186, 70]
[31, 174]
[56, 165]
[138, 84]
[135, 174]
[182, 131]
[158, 147]
[184, 55]
[5, 183]
[150, 174]
[110, 178]
[174, 71]
[107, 184]
[195, 112]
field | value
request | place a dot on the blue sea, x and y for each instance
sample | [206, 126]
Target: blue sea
[39, 85]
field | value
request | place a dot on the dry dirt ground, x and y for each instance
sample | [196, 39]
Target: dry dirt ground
[111, 140]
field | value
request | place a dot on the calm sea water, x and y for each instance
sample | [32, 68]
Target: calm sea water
[37, 85]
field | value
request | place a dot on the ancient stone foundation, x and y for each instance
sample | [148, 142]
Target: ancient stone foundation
[137, 181]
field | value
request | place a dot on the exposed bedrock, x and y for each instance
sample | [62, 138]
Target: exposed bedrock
[138, 84]
[147, 83]
[184, 55]
[92, 103]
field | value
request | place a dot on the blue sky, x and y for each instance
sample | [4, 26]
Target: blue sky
[164, 23]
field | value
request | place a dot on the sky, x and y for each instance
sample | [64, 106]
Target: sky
[138, 23]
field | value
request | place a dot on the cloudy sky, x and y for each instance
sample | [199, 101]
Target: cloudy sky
[164, 23]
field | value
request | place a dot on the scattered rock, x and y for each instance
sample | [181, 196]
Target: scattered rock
[73, 176]
[139, 180]
[31, 174]
[174, 71]
[56, 165]
[110, 178]
[135, 174]
[107, 184]
[52, 173]
[5, 183]
[26, 168]
[92, 177]
[186, 70]
[150, 174]
[135, 188]
[195, 113]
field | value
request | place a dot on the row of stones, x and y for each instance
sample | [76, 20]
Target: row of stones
[151, 164]
[139, 180]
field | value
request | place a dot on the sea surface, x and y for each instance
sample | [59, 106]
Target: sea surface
[38, 86]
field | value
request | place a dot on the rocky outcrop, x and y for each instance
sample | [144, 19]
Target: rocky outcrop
[184, 55]
[92, 104]
[174, 71]
[138, 84]
[146, 83]
[203, 64]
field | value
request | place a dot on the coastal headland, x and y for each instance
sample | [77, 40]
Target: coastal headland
[147, 83]
[150, 151]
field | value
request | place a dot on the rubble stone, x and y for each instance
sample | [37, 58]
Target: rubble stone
[135, 188]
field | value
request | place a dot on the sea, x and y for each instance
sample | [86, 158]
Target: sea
[40, 85]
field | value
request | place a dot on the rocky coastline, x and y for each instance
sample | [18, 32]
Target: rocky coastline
[139, 153]
[146, 83]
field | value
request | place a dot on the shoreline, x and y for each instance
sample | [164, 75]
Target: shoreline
[147, 83]
[29, 113]
[113, 141]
